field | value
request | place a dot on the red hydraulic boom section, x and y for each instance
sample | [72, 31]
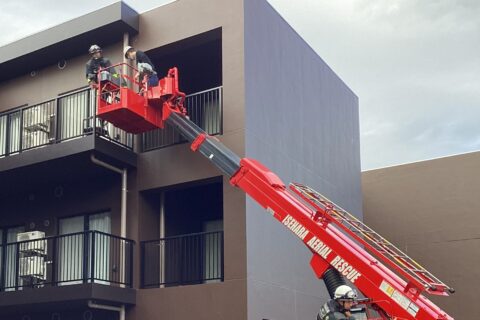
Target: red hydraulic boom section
[393, 282]
[327, 231]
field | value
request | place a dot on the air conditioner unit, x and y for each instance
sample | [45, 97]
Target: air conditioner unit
[32, 267]
[31, 242]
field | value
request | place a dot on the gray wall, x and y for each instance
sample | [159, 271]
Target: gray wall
[302, 122]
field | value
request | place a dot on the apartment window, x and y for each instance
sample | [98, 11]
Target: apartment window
[74, 112]
[75, 247]
[10, 131]
[90, 222]
[8, 256]
[3, 134]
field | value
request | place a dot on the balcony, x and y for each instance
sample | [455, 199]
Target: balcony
[182, 260]
[204, 108]
[63, 118]
[75, 267]
[64, 128]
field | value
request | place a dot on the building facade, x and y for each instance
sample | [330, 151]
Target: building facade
[182, 242]
[429, 209]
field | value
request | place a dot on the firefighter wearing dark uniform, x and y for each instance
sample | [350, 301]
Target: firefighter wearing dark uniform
[339, 307]
[96, 62]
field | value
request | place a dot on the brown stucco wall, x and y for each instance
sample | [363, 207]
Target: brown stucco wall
[177, 164]
[168, 166]
[430, 209]
[51, 81]
[36, 207]
[216, 301]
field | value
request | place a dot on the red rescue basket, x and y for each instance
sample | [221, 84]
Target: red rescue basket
[132, 105]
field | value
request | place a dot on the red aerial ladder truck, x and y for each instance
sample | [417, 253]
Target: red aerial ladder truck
[393, 283]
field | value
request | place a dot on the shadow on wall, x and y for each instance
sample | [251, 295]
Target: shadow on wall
[198, 58]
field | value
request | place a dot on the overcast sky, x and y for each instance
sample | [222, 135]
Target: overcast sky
[414, 64]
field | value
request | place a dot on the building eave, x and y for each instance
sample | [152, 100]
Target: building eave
[67, 40]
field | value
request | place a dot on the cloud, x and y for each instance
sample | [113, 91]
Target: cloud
[413, 64]
[23, 18]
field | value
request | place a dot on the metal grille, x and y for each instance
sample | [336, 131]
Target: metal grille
[66, 117]
[83, 257]
[73, 110]
[204, 109]
[38, 125]
[10, 133]
[187, 259]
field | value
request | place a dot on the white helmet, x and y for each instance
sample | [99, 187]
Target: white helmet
[126, 50]
[94, 48]
[345, 293]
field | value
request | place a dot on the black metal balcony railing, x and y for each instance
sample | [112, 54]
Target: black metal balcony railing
[187, 259]
[204, 108]
[84, 257]
[65, 117]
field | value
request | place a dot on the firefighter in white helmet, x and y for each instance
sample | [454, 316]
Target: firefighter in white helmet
[339, 307]
[144, 65]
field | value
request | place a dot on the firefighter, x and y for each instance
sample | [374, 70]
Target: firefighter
[144, 65]
[339, 307]
[96, 62]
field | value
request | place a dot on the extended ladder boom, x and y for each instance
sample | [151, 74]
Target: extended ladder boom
[388, 277]
[319, 229]
[419, 277]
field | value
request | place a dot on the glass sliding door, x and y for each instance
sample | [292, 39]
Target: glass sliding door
[101, 247]
[74, 114]
[77, 248]
[3, 136]
[2, 285]
[11, 259]
[71, 250]
[14, 132]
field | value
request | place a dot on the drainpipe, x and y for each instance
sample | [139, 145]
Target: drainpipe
[120, 310]
[126, 70]
[162, 235]
[126, 42]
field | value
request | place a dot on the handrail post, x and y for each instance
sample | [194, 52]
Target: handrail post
[17, 264]
[222, 266]
[92, 258]
[56, 116]
[54, 261]
[3, 266]
[86, 247]
[7, 136]
[142, 265]
[20, 129]
[130, 269]
[182, 260]
[220, 105]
